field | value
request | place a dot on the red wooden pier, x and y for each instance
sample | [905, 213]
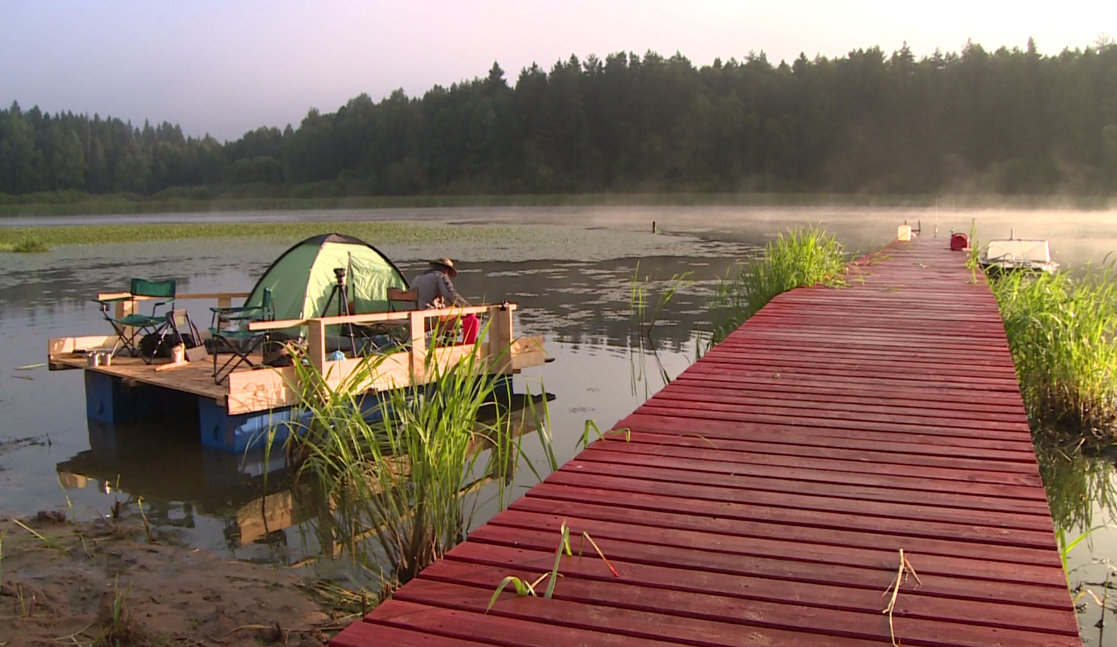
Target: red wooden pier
[762, 498]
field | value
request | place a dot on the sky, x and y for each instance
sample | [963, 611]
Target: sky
[225, 68]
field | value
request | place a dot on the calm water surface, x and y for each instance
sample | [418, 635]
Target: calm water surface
[572, 278]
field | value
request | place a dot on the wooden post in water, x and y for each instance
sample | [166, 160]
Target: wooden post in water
[500, 340]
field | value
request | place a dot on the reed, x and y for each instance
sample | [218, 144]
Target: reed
[398, 466]
[1061, 333]
[798, 258]
[644, 320]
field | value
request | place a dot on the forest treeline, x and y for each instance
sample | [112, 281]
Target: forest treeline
[1005, 122]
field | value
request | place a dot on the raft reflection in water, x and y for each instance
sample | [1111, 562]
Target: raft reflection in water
[253, 493]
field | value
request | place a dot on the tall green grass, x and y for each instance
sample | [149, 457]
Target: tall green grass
[798, 258]
[408, 481]
[1061, 333]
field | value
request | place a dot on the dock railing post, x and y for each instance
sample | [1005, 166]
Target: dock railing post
[500, 340]
[316, 345]
[123, 308]
[224, 303]
[418, 346]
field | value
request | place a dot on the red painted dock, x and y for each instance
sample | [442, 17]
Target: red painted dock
[763, 497]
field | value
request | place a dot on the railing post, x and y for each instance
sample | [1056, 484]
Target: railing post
[418, 321]
[500, 340]
[223, 302]
[123, 308]
[316, 345]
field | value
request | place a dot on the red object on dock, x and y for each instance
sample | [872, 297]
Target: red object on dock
[958, 242]
[764, 496]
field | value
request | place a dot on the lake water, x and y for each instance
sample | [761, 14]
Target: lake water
[570, 269]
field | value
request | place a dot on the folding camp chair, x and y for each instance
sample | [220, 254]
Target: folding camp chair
[389, 334]
[131, 326]
[229, 331]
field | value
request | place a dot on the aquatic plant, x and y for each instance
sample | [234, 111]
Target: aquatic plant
[798, 258]
[1061, 333]
[644, 321]
[29, 244]
[399, 467]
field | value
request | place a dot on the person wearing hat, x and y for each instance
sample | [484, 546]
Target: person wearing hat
[436, 290]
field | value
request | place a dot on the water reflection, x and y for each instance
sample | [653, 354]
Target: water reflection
[1080, 485]
[176, 476]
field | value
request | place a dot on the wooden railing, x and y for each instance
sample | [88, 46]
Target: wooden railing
[498, 359]
[126, 306]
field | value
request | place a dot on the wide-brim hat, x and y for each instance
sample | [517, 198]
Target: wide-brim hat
[444, 264]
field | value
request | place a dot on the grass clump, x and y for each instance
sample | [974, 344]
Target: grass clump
[405, 478]
[1061, 333]
[29, 244]
[798, 258]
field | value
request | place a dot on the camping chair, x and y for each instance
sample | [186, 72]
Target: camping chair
[133, 326]
[402, 300]
[390, 333]
[229, 331]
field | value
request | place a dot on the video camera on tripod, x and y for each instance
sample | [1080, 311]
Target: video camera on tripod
[338, 292]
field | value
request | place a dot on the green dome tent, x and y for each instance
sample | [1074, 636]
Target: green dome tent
[303, 277]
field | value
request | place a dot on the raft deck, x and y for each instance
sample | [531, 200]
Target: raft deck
[252, 390]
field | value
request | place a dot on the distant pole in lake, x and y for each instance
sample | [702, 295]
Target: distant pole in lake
[653, 227]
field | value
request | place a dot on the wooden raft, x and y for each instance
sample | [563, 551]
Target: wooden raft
[247, 391]
[763, 497]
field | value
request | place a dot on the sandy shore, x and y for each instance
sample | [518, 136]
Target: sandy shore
[104, 582]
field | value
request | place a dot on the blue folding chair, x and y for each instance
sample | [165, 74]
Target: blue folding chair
[133, 326]
[230, 333]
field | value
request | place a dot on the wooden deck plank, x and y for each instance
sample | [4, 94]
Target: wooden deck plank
[643, 612]
[929, 440]
[764, 495]
[779, 477]
[836, 588]
[631, 530]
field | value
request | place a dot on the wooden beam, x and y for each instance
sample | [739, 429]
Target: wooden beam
[64, 345]
[109, 296]
[374, 317]
[212, 295]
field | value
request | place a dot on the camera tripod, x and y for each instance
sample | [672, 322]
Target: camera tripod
[338, 292]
